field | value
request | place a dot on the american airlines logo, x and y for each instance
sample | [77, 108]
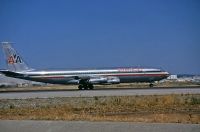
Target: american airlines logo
[14, 59]
[130, 69]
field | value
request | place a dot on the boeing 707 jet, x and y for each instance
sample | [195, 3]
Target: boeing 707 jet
[84, 78]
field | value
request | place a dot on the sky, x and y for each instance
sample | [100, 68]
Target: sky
[104, 33]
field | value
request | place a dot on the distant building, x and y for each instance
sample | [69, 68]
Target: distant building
[172, 77]
[13, 82]
[196, 79]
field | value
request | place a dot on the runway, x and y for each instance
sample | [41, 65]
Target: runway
[98, 92]
[84, 126]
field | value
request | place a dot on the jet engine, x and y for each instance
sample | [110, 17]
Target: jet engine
[113, 80]
[104, 80]
[100, 80]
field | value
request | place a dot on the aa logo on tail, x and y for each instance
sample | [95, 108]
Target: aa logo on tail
[14, 59]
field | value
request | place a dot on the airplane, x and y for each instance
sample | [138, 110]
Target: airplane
[84, 78]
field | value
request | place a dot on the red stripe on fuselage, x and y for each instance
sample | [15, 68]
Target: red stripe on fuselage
[156, 75]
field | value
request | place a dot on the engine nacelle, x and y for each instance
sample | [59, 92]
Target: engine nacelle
[98, 80]
[113, 80]
[73, 81]
[105, 80]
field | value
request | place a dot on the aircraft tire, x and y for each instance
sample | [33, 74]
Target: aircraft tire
[151, 85]
[80, 87]
[90, 86]
[85, 87]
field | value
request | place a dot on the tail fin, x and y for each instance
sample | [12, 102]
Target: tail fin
[13, 59]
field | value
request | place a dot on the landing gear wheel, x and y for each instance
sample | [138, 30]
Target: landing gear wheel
[80, 87]
[151, 85]
[85, 87]
[90, 86]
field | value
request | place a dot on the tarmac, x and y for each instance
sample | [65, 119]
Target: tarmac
[84, 126]
[98, 92]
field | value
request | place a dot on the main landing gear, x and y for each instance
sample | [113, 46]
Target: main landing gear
[85, 86]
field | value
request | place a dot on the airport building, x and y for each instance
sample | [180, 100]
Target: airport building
[172, 77]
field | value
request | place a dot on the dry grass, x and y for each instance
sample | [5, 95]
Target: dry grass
[166, 108]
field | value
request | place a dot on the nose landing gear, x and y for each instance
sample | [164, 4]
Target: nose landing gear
[151, 85]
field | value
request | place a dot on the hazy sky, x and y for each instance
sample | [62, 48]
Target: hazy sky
[104, 33]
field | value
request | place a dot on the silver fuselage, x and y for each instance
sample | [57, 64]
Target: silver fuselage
[95, 76]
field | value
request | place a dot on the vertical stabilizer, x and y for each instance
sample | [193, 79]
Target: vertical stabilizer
[13, 60]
